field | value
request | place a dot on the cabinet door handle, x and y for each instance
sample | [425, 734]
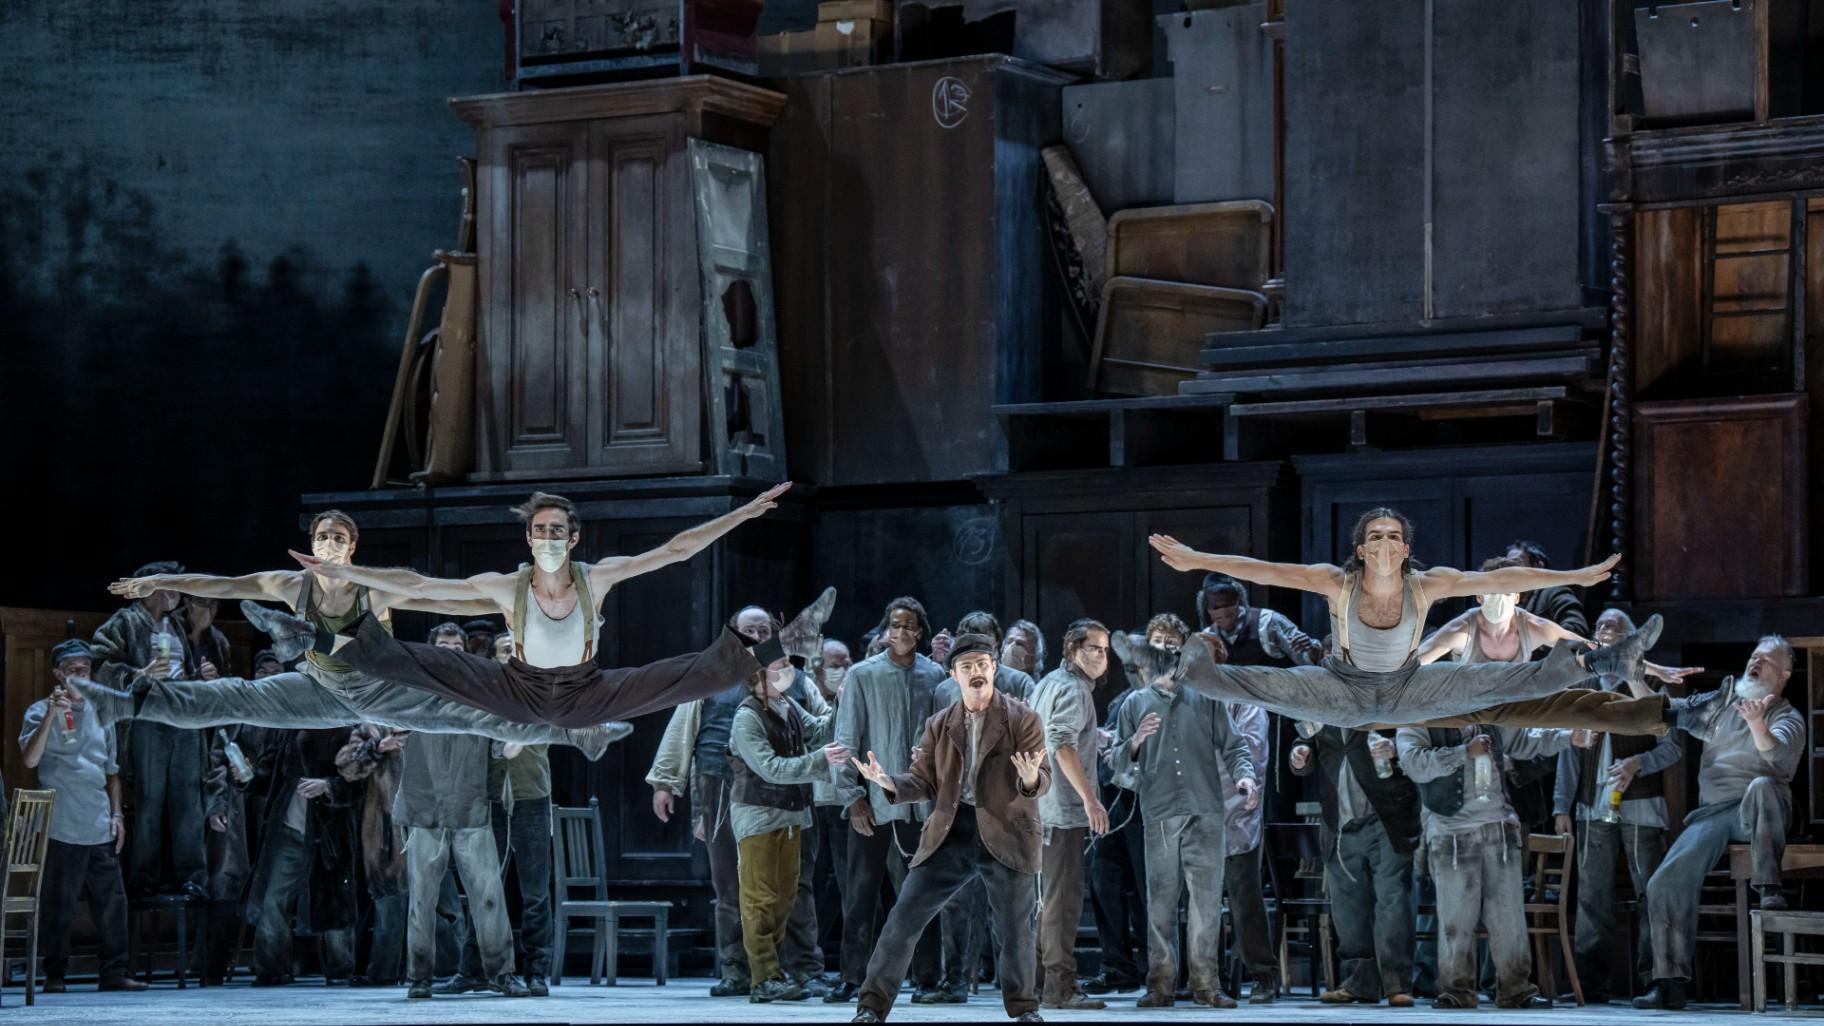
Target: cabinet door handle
[582, 320]
[601, 318]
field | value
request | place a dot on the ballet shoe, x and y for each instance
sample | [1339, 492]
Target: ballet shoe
[802, 638]
[291, 636]
[1626, 658]
[594, 741]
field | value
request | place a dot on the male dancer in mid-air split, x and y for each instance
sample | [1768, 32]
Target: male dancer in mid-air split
[1377, 612]
[323, 692]
[554, 609]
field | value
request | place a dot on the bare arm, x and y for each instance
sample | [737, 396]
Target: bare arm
[1452, 638]
[267, 586]
[683, 545]
[1550, 632]
[1443, 582]
[1317, 578]
[404, 583]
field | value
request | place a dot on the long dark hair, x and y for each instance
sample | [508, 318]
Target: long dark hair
[1359, 537]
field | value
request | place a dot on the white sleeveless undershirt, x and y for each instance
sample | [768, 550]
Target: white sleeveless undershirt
[550, 644]
[1377, 649]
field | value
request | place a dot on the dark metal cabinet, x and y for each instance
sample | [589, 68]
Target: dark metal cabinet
[591, 348]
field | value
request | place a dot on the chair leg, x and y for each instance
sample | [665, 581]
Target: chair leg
[595, 953]
[1757, 951]
[29, 967]
[661, 945]
[557, 948]
[1323, 937]
[1570, 961]
[611, 952]
[183, 944]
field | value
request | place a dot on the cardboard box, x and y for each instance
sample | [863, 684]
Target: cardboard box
[856, 10]
[853, 44]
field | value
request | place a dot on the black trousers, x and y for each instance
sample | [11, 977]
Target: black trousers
[1248, 910]
[875, 868]
[90, 871]
[1012, 901]
[167, 846]
[830, 873]
[1117, 894]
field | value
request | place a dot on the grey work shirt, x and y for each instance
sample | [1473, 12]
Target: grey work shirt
[78, 770]
[1424, 762]
[443, 782]
[1066, 706]
[1179, 770]
[1244, 824]
[1730, 761]
[1646, 812]
[1353, 807]
[974, 756]
[747, 738]
[883, 710]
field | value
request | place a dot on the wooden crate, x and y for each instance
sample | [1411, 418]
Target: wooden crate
[1151, 332]
[1227, 244]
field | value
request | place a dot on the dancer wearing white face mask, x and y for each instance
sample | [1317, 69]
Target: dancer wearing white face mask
[554, 611]
[324, 691]
[1378, 601]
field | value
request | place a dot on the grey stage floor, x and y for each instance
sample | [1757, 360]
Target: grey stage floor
[689, 1001]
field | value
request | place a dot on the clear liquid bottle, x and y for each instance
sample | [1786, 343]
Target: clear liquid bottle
[1485, 777]
[1611, 809]
[237, 760]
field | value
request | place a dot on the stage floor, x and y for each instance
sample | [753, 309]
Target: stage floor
[689, 1001]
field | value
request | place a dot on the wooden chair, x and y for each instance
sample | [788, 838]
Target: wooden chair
[1294, 853]
[28, 836]
[152, 906]
[1791, 926]
[577, 857]
[1554, 861]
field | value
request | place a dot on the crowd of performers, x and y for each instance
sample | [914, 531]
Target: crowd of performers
[950, 797]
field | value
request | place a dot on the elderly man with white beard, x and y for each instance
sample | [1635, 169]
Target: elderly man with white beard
[1753, 741]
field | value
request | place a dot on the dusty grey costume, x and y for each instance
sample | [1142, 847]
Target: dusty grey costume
[1372, 678]
[1744, 796]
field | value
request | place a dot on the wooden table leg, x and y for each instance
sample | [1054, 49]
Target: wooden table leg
[1760, 966]
[1743, 971]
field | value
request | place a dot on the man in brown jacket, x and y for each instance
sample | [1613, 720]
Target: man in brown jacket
[982, 765]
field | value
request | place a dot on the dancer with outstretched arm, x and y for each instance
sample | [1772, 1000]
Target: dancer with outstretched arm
[1378, 602]
[554, 608]
[324, 691]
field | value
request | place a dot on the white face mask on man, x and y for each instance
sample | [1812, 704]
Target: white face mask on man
[550, 553]
[1498, 609]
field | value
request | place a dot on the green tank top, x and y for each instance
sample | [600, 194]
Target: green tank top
[308, 609]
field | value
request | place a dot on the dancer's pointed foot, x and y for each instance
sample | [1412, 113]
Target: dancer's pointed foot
[111, 706]
[1200, 654]
[1626, 658]
[594, 741]
[291, 636]
[802, 639]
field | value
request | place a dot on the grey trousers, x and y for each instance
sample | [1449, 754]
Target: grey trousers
[1598, 942]
[1370, 888]
[1184, 860]
[1061, 898]
[427, 856]
[1339, 694]
[313, 697]
[724, 873]
[1478, 875]
[1758, 820]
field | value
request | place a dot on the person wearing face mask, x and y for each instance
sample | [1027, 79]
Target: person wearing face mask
[830, 862]
[692, 761]
[1065, 702]
[1180, 780]
[324, 691]
[1754, 740]
[164, 766]
[885, 700]
[1023, 649]
[776, 751]
[1253, 636]
[981, 765]
[1599, 767]
[1378, 601]
[553, 606]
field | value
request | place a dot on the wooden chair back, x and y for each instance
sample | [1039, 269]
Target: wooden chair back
[578, 852]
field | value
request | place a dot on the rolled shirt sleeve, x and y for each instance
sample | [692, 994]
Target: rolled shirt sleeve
[1422, 761]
